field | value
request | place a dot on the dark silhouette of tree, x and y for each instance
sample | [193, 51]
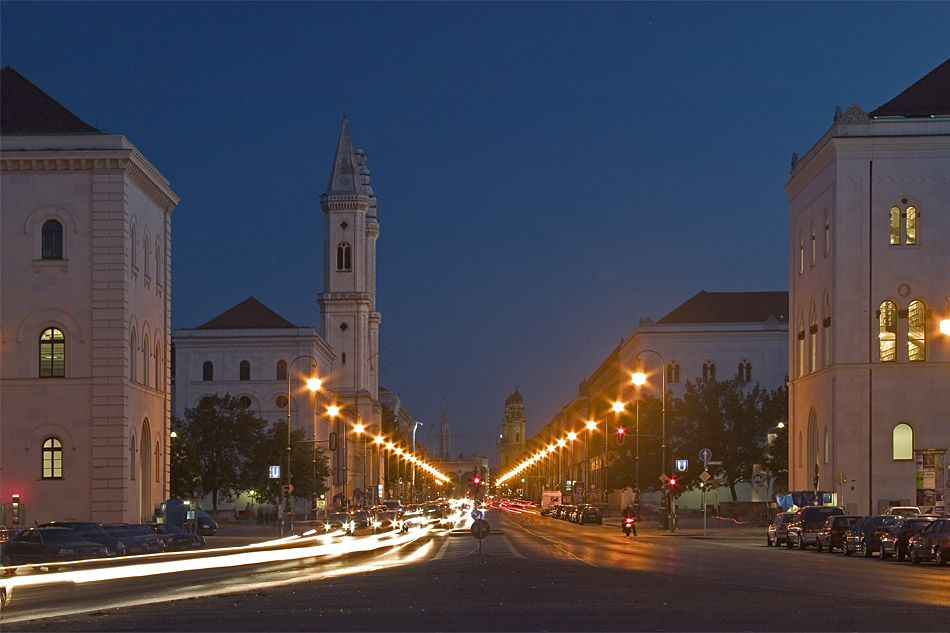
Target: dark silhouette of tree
[306, 465]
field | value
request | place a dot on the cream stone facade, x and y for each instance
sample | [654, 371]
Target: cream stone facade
[511, 440]
[85, 318]
[869, 264]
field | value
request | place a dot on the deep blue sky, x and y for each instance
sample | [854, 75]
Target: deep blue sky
[547, 174]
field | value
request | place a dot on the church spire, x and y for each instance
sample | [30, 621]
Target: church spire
[345, 173]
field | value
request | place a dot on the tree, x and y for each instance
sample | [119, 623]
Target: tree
[730, 418]
[308, 468]
[776, 453]
[216, 445]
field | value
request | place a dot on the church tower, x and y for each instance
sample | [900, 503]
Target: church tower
[512, 439]
[348, 303]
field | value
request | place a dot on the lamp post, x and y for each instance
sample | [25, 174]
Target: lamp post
[360, 429]
[570, 469]
[313, 384]
[591, 425]
[617, 408]
[412, 491]
[639, 378]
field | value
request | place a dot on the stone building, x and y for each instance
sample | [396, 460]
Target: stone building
[869, 275]
[511, 440]
[85, 319]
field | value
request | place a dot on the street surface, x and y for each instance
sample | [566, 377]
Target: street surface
[534, 574]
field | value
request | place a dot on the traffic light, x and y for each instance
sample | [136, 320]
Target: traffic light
[621, 434]
[672, 482]
[15, 505]
[477, 480]
[332, 441]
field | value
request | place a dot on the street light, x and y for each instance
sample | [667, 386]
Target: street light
[571, 437]
[591, 425]
[359, 428]
[313, 384]
[639, 378]
[617, 408]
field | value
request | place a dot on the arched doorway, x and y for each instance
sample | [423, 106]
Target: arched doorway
[145, 471]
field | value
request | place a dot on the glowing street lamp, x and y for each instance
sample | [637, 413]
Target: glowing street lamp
[639, 378]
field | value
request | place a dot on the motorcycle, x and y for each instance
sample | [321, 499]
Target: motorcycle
[628, 525]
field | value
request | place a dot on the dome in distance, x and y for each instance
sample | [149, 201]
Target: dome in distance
[514, 398]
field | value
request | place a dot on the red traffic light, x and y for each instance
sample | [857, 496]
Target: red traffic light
[621, 430]
[672, 481]
[477, 480]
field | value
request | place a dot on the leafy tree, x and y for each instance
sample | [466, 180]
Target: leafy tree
[776, 453]
[304, 464]
[730, 418]
[623, 470]
[183, 478]
[216, 446]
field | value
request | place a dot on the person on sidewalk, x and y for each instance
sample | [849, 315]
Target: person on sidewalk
[630, 513]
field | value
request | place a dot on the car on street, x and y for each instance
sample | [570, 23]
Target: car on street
[361, 519]
[385, 521]
[589, 514]
[42, 545]
[134, 544]
[341, 521]
[933, 543]
[864, 537]
[176, 539]
[565, 512]
[803, 529]
[778, 529]
[93, 532]
[831, 534]
[896, 541]
[903, 511]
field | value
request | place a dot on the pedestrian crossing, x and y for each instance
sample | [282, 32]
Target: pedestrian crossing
[495, 544]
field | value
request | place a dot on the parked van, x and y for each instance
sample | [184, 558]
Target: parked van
[175, 512]
[549, 499]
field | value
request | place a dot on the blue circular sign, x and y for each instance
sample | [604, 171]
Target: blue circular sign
[705, 455]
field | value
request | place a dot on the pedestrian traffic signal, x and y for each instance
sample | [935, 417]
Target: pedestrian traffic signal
[621, 434]
[332, 442]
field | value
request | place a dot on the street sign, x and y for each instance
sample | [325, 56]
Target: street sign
[480, 528]
[664, 478]
[758, 479]
[705, 476]
[714, 463]
[705, 455]
[681, 465]
[275, 472]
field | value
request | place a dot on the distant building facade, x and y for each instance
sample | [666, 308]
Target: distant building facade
[511, 440]
[85, 319]
[869, 274]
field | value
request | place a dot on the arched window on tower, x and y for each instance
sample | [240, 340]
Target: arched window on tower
[52, 458]
[745, 371]
[903, 224]
[281, 370]
[903, 441]
[245, 370]
[887, 332]
[917, 331]
[813, 341]
[207, 371]
[343, 257]
[709, 370]
[145, 351]
[673, 372]
[133, 358]
[52, 240]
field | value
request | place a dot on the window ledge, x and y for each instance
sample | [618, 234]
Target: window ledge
[148, 281]
[49, 264]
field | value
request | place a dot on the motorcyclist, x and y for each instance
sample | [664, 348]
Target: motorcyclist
[630, 513]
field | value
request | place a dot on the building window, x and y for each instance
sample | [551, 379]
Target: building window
[145, 360]
[745, 371]
[827, 235]
[917, 331]
[52, 458]
[52, 240]
[827, 445]
[244, 401]
[159, 264]
[801, 350]
[280, 401]
[709, 370]
[159, 374]
[801, 256]
[887, 332]
[157, 462]
[343, 357]
[132, 457]
[245, 370]
[813, 341]
[133, 249]
[145, 255]
[903, 224]
[903, 440]
[281, 370]
[52, 353]
[826, 335]
[673, 372]
[343, 257]
[133, 359]
[207, 371]
[813, 244]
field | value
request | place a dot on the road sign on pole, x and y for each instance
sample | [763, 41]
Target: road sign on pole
[275, 472]
[681, 465]
[705, 455]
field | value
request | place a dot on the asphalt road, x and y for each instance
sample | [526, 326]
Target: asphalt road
[539, 574]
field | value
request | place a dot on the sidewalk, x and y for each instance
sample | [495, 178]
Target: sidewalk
[238, 534]
[691, 526]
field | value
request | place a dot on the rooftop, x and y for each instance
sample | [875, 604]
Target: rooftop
[928, 96]
[730, 307]
[250, 314]
[25, 109]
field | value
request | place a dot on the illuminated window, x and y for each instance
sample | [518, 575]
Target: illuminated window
[207, 371]
[904, 224]
[52, 240]
[917, 331]
[281, 370]
[887, 332]
[895, 225]
[903, 440]
[52, 458]
[52, 353]
[245, 370]
[343, 257]
[911, 227]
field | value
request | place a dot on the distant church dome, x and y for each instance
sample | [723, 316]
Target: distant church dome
[514, 398]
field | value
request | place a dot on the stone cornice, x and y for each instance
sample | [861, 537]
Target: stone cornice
[341, 202]
[130, 161]
[336, 297]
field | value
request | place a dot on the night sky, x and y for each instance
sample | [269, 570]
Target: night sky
[547, 174]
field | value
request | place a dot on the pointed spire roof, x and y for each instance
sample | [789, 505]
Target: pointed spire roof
[928, 96]
[25, 109]
[250, 314]
[345, 173]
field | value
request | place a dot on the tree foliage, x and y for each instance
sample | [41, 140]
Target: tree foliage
[309, 468]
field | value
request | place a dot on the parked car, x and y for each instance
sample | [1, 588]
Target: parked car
[155, 542]
[341, 521]
[42, 545]
[93, 532]
[778, 529]
[566, 511]
[176, 539]
[134, 544]
[903, 511]
[589, 514]
[933, 542]
[896, 541]
[803, 529]
[865, 536]
[831, 534]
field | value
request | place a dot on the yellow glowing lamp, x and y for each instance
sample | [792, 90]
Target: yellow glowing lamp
[618, 406]
[333, 410]
[313, 384]
[358, 428]
[378, 439]
[561, 442]
[591, 425]
[639, 378]
[945, 327]
[572, 436]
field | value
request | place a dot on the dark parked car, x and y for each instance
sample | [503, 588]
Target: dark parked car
[589, 514]
[933, 542]
[831, 535]
[93, 532]
[134, 544]
[176, 539]
[896, 541]
[41, 545]
[803, 529]
[155, 542]
[565, 511]
[865, 536]
[778, 529]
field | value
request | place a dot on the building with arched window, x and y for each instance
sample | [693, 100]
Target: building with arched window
[79, 322]
[871, 396]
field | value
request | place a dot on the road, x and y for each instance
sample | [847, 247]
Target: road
[534, 573]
